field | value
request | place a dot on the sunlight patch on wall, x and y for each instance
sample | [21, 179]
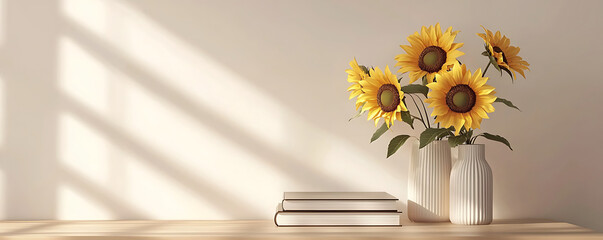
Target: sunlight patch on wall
[166, 197]
[184, 69]
[181, 140]
[72, 205]
[83, 77]
[94, 14]
[123, 104]
[83, 149]
[215, 91]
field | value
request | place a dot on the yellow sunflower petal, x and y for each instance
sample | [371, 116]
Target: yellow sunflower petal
[507, 55]
[458, 123]
[419, 41]
[461, 79]
[370, 101]
[475, 124]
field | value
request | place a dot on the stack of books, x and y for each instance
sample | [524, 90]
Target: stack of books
[337, 209]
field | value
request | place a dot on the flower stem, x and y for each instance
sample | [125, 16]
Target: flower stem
[426, 116]
[434, 118]
[418, 109]
[472, 140]
[425, 109]
[486, 69]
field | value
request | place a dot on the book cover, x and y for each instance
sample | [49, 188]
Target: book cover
[338, 196]
[312, 219]
[339, 201]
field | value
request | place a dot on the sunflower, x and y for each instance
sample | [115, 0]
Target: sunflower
[504, 54]
[355, 75]
[461, 99]
[382, 96]
[429, 53]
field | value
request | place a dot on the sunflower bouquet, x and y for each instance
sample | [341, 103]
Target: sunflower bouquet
[460, 99]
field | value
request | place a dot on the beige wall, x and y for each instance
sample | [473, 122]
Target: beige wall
[210, 110]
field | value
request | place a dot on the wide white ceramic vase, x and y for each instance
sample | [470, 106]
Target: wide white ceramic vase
[429, 182]
[471, 187]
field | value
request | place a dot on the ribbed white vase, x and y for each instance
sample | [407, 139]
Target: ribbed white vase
[428, 183]
[471, 187]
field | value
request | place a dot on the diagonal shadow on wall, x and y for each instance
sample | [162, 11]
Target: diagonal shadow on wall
[294, 168]
[221, 199]
[119, 208]
[290, 50]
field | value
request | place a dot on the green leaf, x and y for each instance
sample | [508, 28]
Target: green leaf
[485, 53]
[364, 69]
[506, 102]
[396, 143]
[460, 139]
[498, 139]
[415, 88]
[424, 80]
[357, 114]
[407, 118]
[493, 61]
[430, 134]
[509, 72]
[380, 131]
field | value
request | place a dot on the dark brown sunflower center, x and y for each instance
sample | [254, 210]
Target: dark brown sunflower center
[498, 50]
[388, 97]
[432, 59]
[460, 98]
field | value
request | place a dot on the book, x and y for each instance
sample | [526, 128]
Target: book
[309, 218]
[339, 201]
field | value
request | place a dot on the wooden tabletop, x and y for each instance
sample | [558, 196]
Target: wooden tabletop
[265, 229]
